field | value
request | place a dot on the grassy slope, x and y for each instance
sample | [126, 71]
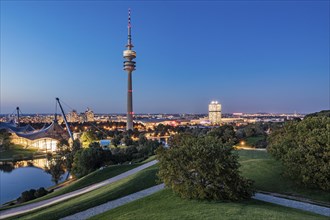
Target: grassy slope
[165, 205]
[94, 177]
[139, 181]
[267, 174]
[18, 151]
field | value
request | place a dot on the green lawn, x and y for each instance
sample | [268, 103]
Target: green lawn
[18, 152]
[139, 181]
[267, 174]
[94, 177]
[165, 205]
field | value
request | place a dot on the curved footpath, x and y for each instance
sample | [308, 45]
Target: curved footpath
[114, 203]
[138, 195]
[37, 205]
[126, 199]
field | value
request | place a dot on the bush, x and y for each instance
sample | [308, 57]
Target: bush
[40, 192]
[27, 196]
[32, 194]
[202, 168]
[304, 149]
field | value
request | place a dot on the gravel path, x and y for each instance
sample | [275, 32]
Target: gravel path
[37, 205]
[113, 204]
[293, 204]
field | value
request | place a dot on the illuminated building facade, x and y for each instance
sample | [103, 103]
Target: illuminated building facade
[215, 112]
[89, 114]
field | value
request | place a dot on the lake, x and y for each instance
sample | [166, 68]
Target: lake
[19, 177]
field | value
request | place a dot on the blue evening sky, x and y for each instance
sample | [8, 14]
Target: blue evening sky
[252, 56]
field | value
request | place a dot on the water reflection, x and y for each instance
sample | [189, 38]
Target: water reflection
[16, 177]
[9, 166]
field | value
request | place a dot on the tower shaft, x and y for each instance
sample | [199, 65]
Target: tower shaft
[129, 66]
[129, 102]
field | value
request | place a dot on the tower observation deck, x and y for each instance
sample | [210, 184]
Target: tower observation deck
[129, 67]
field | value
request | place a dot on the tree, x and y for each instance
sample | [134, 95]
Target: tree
[202, 168]
[87, 160]
[142, 140]
[116, 140]
[324, 113]
[4, 139]
[304, 149]
[225, 134]
[56, 167]
[70, 155]
[87, 137]
[127, 140]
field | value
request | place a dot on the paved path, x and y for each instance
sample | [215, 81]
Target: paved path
[293, 204]
[138, 195]
[113, 204]
[37, 205]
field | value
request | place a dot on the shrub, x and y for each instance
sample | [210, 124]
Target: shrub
[40, 192]
[27, 196]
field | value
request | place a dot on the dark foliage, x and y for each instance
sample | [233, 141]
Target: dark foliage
[87, 160]
[304, 149]
[32, 194]
[202, 167]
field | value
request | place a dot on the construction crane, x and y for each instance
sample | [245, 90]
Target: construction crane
[66, 122]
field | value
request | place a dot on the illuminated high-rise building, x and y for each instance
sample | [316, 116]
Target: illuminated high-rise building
[89, 115]
[215, 112]
[129, 66]
[73, 116]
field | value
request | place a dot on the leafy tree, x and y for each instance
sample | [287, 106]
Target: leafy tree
[70, 155]
[324, 113]
[95, 145]
[4, 139]
[116, 140]
[142, 140]
[304, 149]
[202, 168]
[88, 137]
[56, 167]
[225, 134]
[127, 140]
[86, 160]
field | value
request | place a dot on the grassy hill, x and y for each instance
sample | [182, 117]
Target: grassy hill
[139, 181]
[267, 174]
[257, 165]
[166, 205]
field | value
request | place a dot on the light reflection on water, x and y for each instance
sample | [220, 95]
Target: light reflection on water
[19, 177]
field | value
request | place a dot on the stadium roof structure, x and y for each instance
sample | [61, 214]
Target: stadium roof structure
[53, 131]
[12, 127]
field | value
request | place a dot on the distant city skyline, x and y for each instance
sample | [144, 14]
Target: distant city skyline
[251, 56]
